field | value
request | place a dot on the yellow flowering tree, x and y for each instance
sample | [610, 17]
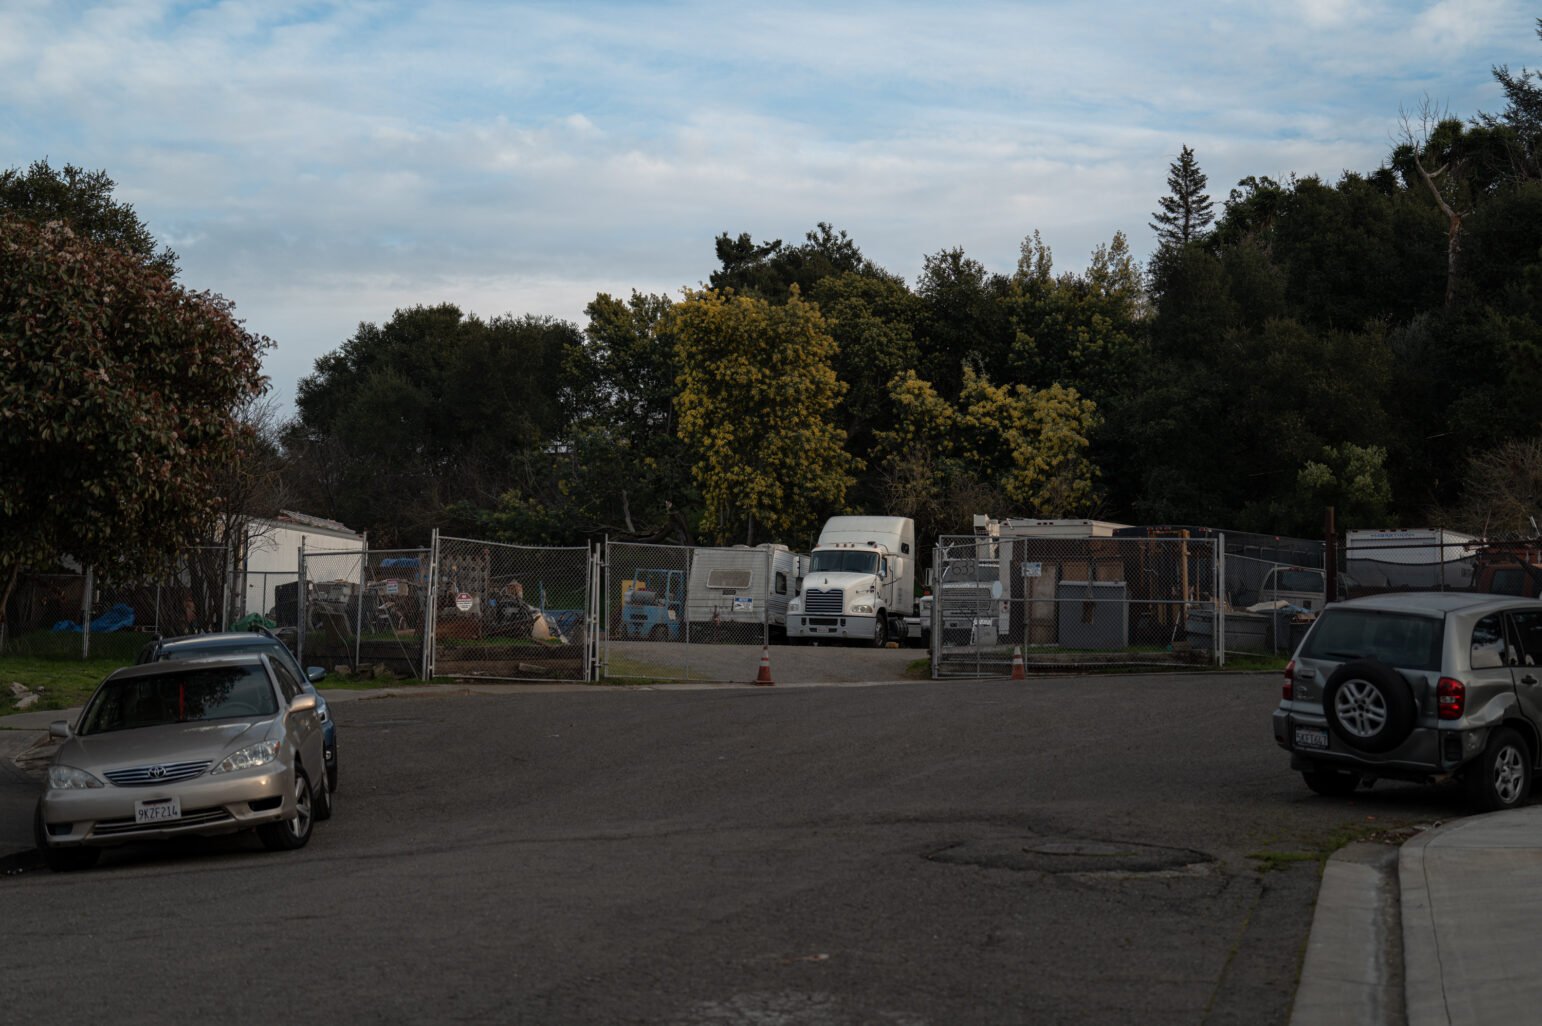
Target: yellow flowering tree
[1028, 444]
[756, 404]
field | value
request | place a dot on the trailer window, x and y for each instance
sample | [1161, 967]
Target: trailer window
[781, 583]
[728, 580]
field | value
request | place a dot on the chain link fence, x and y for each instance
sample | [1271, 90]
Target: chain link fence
[365, 613]
[83, 616]
[679, 613]
[512, 612]
[1073, 603]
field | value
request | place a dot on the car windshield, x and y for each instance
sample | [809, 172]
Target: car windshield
[1398, 639]
[843, 561]
[206, 693]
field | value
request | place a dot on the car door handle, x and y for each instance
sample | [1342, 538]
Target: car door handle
[1528, 679]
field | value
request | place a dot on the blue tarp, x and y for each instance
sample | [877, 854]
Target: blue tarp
[115, 619]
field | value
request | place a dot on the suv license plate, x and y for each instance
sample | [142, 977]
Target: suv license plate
[1312, 737]
[157, 810]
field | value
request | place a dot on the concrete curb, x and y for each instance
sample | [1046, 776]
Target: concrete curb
[1351, 974]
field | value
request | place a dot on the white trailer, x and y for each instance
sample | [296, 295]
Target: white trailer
[738, 589]
[269, 566]
[861, 582]
[1410, 558]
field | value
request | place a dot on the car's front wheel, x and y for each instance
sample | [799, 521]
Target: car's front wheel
[1500, 778]
[294, 832]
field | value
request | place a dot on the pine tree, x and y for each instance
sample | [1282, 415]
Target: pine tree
[1186, 213]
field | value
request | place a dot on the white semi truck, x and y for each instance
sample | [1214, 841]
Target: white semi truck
[860, 584]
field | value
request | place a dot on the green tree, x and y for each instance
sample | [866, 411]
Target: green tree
[82, 199]
[425, 420]
[630, 477]
[872, 319]
[117, 404]
[1186, 211]
[769, 270]
[964, 318]
[1521, 118]
[756, 404]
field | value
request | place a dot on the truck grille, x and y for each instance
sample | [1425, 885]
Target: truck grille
[823, 600]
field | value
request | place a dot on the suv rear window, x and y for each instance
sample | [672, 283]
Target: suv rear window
[1397, 639]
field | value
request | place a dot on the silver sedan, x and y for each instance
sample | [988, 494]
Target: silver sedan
[205, 746]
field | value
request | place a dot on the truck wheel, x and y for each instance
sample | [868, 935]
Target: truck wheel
[659, 633]
[880, 631]
[1500, 778]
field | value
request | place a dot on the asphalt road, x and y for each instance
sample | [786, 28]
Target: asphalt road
[1049, 851]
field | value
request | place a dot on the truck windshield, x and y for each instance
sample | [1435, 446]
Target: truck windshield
[843, 561]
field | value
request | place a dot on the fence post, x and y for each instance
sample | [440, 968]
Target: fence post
[302, 610]
[358, 626]
[85, 615]
[1218, 594]
[431, 609]
[598, 558]
[228, 590]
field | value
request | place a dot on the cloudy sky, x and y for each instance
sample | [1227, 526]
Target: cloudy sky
[324, 163]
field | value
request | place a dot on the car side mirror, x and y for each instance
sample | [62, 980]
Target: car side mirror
[303, 703]
[59, 729]
[315, 674]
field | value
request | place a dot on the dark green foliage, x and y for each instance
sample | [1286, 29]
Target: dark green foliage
[963, 319]
[769, 270]
[83, 200]
[1187, 210]
[431, 409]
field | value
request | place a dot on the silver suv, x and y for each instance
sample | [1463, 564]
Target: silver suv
[1420, 686]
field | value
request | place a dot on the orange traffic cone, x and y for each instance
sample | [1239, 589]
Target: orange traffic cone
[1017, 663]
[764, 676]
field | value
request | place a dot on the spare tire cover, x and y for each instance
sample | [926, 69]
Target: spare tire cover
[1369, 706]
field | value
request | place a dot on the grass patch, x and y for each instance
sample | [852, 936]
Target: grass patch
[65, 683]
[60, 683]
[1322, 848]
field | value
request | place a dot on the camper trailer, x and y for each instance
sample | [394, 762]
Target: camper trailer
[732, 592]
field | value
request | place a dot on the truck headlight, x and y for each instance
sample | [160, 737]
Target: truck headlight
[795, 606]
[862, 608]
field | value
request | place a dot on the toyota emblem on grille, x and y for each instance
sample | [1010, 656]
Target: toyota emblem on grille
[157, 772]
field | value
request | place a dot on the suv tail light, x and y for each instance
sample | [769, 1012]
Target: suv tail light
[1288, 692]
[1450, 698]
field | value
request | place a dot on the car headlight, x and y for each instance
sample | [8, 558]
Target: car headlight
[68, 778]
[260, 754]
[862, 608]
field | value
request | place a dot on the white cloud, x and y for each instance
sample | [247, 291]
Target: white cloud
[325, 164]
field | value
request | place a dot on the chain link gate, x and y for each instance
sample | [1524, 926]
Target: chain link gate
[674, 612]
[512, 612]
[1075, 602]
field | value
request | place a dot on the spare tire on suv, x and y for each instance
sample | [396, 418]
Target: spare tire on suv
[1369, 706]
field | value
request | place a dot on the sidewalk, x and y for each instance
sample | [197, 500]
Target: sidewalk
[1441, 932]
